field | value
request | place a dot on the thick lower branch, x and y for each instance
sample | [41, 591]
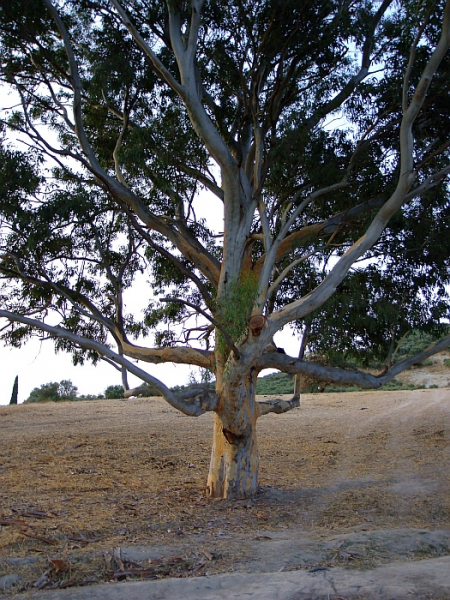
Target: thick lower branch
[289, 364]
[198, 395]
[182, 356]
[191, 408]
[278, 405]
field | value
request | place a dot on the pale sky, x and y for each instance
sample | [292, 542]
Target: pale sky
[36, 364]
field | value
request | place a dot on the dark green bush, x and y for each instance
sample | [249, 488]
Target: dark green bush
[113, 392]
[54, 392]
[277, 383]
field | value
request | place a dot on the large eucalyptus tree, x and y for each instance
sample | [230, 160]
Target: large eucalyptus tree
[321, 129]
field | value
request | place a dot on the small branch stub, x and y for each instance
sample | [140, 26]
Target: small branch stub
[256, 323]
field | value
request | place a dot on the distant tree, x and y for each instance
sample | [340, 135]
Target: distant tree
[15, 391]
[317, 130]
[114, 391]
[66, 390]
[47, 392]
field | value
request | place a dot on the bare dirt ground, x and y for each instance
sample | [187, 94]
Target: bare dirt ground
[109, 490]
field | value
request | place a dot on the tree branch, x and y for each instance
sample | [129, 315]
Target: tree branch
[202, 396]
[158, 66]
[191, 249]
[191, 90]
[277, 405]
[211, 319]
[347, 90]
[412, 55]
[301, 237]
[207, 182]
[298, 309]
[194, 408]
[289, 364]
[74, 298]
[178, 264]
[178, 355]
[278, 281]
[268, 260]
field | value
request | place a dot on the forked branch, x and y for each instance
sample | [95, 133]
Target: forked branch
[210, 318]
[297, 310]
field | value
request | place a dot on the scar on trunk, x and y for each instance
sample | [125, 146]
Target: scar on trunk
[231, 437]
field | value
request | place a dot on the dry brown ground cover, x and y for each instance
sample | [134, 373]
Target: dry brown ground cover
[78, 480]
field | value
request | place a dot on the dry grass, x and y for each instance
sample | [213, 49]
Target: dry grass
[78, 479]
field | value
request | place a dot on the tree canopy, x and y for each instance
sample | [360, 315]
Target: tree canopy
[320, 130]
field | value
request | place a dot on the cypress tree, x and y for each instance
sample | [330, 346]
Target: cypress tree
[15, 391]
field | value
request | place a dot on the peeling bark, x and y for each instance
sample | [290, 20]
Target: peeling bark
[234, 466]
[233, 471]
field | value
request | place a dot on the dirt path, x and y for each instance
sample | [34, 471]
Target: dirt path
[355, 479]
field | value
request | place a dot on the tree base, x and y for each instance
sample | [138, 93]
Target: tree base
[234, 467]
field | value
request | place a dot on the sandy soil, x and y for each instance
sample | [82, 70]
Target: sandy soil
[104, 490]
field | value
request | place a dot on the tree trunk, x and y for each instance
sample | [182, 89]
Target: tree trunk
[234, 464]
[301, 354]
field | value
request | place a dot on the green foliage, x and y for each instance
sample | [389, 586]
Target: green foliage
[375, 313]
[47, 392]
[417, 341]
[114, 391]
[53, 392]
[276, 383]
[234, 308]
[87, 397]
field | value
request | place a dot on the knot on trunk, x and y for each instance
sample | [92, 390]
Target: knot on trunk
[256, 324]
